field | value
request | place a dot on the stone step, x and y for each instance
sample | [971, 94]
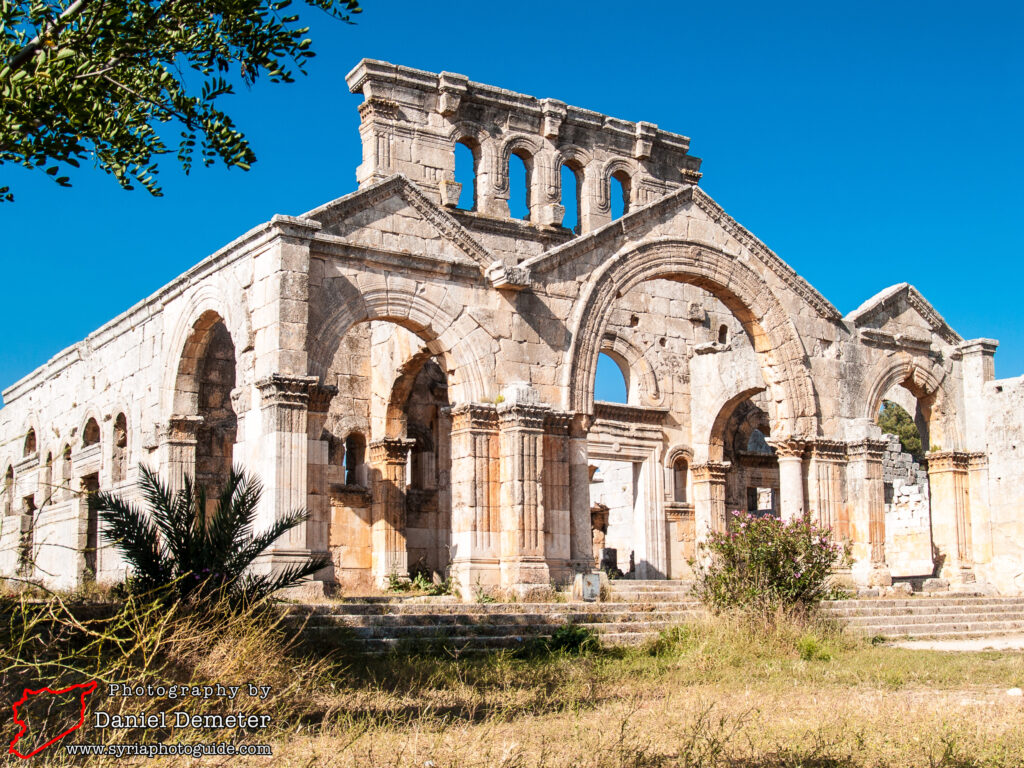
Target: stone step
[911, 615]
[935, 618]
[916, 601]
[941, 628]
[501, 620]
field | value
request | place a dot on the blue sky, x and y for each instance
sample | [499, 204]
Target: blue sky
[866, 143]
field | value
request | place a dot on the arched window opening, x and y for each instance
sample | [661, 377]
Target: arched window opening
[757, 443]
[519, 172]
[119, 467]
[723, 334]
[30, 443]
[894, 419]
[618, 193]
[65, 472]
[611, 383]
[355, 459]
[8, 490]
[680, 470]
[91, 433]
[570, 178]
[48, 479]
[466, 161]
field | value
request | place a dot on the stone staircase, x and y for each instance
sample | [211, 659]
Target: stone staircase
[939, 617]
[635, 612]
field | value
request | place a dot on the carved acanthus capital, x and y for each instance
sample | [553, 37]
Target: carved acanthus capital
[868, 449]
[710, 472]
[377, 106]
[390, 450]
[522, 416]
[827, 450]
[320, 396]
[788, 448]
[948, 461]
[279, 389]
[558, 423]
[476, 416]
[181, 429]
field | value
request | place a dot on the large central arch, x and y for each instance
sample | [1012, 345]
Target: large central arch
[779, 350]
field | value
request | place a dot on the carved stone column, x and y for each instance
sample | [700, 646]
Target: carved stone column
[866, 487]
[557, 496]
[581, 536]
[981, 516]
[948, 480]
[521, 421]
[790, 455]
[318, 499]
[283, 465]
[388, 458]
[476, 526]
[177, 445]
[709, 498]
[825, 487]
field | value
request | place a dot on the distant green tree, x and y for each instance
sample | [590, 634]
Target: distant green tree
[894, 420]
[107, 79]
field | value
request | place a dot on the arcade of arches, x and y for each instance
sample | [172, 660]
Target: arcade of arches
[415, 363]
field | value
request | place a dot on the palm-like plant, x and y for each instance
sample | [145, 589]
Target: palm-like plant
[180, 549]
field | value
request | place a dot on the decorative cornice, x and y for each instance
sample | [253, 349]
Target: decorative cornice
[630, 414]
[679, 511]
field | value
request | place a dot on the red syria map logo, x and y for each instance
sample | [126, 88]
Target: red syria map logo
[84, 690]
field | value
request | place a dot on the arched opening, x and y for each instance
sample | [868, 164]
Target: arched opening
[47, 485]
[903, 419]
[65, 472]
[723, 334]
[752, 480]
[355, 460]
[466, 168]
[8, 491]
[680, 479]
[570, 175]
[520, 169]
[611, 382]
[119, 464]
[30, 443]
[90, 433]
[206, 377]
[619, 187]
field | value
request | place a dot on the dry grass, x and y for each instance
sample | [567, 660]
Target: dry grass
[716, 693]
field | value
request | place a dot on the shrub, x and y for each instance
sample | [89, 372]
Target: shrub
[181, 550]
[572, 639]
[763, 564]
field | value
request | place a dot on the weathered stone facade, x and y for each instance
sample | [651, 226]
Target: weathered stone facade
[421, 377]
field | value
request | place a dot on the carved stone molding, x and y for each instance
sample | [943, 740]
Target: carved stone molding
[828, 450]
[289, 391]
[788, 448]
[476, 416]
[320, 396]
[868, 449]
[949, 461]
[558, 423]
[710, 472]
[522, 416]
[508, 278]
[181, 429]
[390, 450]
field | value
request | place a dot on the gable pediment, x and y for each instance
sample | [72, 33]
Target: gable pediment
[900, 315]
[395, 216]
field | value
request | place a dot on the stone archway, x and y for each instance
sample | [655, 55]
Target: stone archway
[778, 347]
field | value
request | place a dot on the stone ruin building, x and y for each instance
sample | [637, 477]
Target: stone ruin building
[421, 376]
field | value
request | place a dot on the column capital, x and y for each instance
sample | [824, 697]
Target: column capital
[868, 449]
[788, 447]
[518, 415]
[978, 460]
[181, 429]
[948, 461]
[390, 450]
[320, 396]
[282, 389]
[558, 423]
[827, 450]
[710, 472]
[479, 416]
